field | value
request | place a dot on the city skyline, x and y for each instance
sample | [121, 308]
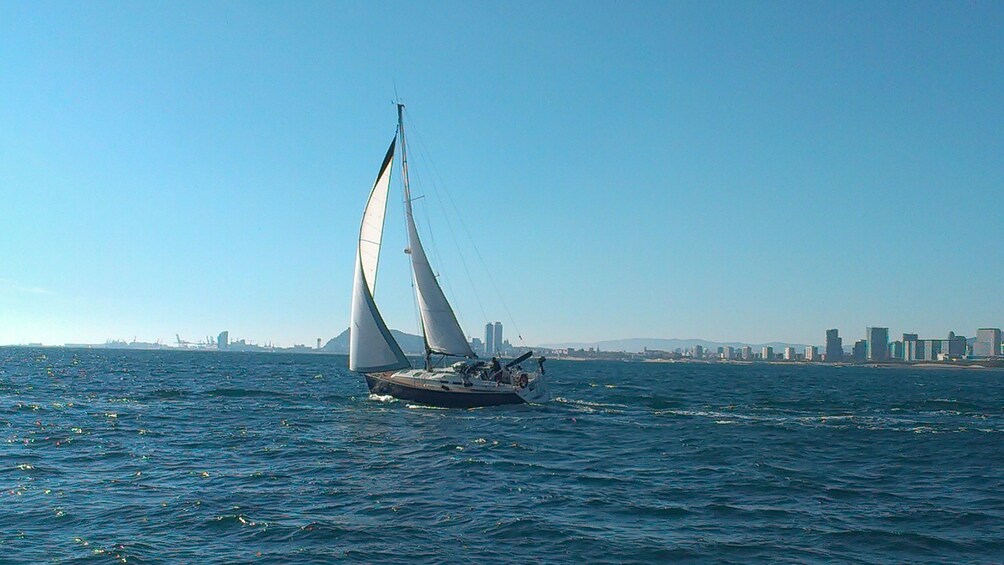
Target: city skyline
[986, 341]
[957, 350]
[732, 171]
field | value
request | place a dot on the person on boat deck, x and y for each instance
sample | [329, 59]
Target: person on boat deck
[540, 363]
[496, 369]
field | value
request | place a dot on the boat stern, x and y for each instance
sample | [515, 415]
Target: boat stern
[535, 391]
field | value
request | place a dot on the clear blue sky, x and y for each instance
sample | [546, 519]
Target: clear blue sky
[731, 171]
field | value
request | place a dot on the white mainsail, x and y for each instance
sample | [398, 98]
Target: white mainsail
[439, 324]
[442, 331]
[371, 346]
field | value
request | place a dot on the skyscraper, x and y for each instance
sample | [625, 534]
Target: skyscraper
[497, 336]
[860, 351]
[811, 353]
[910, 351]
[223, 340]
[955, 346]
[489, 339]
[896, 350]
[789, 353]
[931, 349]
[877, 347]
[767, 353]
[834, 347]
[988, 342]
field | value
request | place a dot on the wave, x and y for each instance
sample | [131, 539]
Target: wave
[245, 393]
[237, 519]
[167, 394]
[940, 404]
[592, 406]
[893, 540]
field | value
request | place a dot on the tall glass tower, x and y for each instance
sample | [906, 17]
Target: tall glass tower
[877, 348]
[489, 339]
[498, 337]
[834, 346]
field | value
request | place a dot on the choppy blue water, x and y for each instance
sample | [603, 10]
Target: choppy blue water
[147, 457]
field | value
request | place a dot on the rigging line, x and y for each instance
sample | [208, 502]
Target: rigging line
[410, 213]
[444, 281]
[463, 258]
[432, 238]
[414, 305]
[431, 242]
[477, 251]
[456, 240]
[414, 287]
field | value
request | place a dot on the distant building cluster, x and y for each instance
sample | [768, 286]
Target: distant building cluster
[494, 345]
[874, 348]
[595, 353]
[221, 342]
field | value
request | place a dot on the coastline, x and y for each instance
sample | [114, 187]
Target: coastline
[925, 365]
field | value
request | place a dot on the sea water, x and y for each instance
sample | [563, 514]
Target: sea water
[197, 457]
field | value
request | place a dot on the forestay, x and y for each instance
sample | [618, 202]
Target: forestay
[439, 323]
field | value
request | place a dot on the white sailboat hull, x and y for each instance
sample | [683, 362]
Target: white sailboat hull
[448, 388]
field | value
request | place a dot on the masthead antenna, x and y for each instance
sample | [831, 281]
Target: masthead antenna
[397, 97]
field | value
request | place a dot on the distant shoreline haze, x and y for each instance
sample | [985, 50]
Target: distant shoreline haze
[413, 344]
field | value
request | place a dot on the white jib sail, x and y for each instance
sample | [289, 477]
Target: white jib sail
[371, 346]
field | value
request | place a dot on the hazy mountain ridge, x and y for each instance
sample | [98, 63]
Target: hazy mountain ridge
[410, 343]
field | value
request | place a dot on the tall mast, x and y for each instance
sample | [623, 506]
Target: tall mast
[404, 152]
[408, 212]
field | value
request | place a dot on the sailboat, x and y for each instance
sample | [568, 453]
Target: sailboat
[465, 383]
